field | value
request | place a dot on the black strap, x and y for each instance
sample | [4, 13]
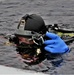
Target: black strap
[26, 17]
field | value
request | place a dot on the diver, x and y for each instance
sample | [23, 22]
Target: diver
[34, 42]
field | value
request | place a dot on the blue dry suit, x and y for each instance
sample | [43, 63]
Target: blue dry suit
[55, 44]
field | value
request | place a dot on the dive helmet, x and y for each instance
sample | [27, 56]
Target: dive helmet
[29, 24]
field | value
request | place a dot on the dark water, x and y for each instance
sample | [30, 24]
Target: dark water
[52, 11]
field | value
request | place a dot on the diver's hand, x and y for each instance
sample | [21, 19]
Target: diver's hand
[55, 44]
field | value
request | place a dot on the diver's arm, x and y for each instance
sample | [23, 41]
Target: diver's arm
[55, 44]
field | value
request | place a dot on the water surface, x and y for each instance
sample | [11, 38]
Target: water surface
[52, 11]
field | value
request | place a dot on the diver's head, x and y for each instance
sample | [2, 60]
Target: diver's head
[31, 23]
[27, 27]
